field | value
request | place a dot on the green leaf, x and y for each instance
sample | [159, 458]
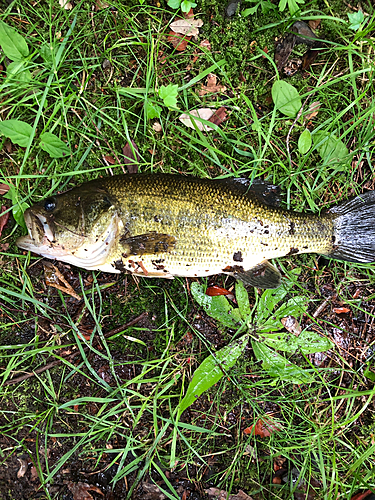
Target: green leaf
[279, 367]
[306, 342]
[47, 52]
[19, 132]
[18, 207]
[295, 306]
[242, 298]
[212, 370]
[282, 5]
[370, 372]
[186, 5]
[54, 146]
[169, 95]
[174, 4]
[17, 71]
[293, 6]
[356, 19]
[331, 147]
[286, 98]
[217, 307]
[152, 110]
[304, 142]
[250, 11]
[13, 44]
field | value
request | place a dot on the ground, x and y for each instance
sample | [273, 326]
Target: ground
[94, 365]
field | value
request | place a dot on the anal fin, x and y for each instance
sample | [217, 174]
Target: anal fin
[264, 275]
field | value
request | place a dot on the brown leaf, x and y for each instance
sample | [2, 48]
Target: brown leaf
[219, 116]
[189, 15]
[131, 159]
[100, 5]
[211, 86]
[263, 428]
[291, 324]
[223, 495]
[313, 110]
[53, 277]
[110, 160]
[187, 26]
[3, 218]
[204, 113]
[80, 491]
[341, 310]
[314, 23]
[4, 188]
[157, 127]
[23, 468]
[214, 291]
[205, 44]
[178, 41]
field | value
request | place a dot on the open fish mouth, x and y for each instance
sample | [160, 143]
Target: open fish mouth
[40, 235]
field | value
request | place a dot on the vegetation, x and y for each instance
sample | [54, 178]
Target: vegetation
[95, 368]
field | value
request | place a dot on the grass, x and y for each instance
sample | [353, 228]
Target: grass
[109, 405]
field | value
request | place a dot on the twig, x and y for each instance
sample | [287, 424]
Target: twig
[72, 355]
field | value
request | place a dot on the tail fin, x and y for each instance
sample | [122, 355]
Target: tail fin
[354, 229]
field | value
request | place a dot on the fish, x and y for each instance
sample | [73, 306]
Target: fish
[162, 225]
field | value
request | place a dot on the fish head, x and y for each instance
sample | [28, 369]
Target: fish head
[78, 227]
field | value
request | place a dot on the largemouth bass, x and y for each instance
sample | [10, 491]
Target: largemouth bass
[166, 226]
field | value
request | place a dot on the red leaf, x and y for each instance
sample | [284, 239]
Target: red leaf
[3, 218]
[110, 160]
[4, 188]
[263, 428]
[341, 310]
[178, 41]
[131, 160]
[214, 291]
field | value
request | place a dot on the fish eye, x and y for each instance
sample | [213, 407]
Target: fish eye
[49, 204]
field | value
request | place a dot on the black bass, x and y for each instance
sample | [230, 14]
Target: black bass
[166, 226]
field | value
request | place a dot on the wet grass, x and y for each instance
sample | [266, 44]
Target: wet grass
[108, 400]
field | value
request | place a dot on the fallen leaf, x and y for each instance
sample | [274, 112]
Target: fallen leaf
[189, 14]
[187, 26]
[313, 110]
[362, 495]
[205, 44]
[223, 495]
[204, 113]
[100, 5]
[65, 4]
[291, 324]
[178, 41]
[214, 291]
[152, 491]
[53, 277]
[23, 468]
[263, 428]
[341, 310]
[4, 188]
[110, 160]
[4, 247]
[131, 159]
[33, 473]
[211, 86]
[314, 23]
[80, 491]
[157, 127]
[3, 218]
[219, 116]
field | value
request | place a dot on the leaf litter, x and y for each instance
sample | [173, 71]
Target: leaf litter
[188, 27]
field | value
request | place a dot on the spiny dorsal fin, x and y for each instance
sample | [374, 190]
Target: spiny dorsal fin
[264, 191]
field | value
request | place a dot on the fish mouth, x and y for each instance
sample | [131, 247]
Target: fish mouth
[40, 233]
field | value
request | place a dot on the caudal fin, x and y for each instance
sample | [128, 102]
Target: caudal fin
[354, 229]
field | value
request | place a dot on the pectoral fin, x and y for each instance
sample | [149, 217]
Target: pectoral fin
[264, 275]
[148, 243]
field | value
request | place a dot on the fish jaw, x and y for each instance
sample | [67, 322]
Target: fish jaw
[89, 254]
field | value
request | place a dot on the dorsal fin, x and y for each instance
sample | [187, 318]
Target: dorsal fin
[264, 191]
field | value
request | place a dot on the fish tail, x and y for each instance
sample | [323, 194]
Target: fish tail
[353, 237]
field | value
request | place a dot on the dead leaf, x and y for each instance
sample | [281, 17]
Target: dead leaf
[80, 491]
[157, 127]
[211, 86]
[263, 428]
[187, 26]
[205, 44]
[292, 325]
[314, 23]
[100, 5]
[4, 247]
[313, 110]
[3, 218]
[189, 14]
[152, 491]
[23, 468]
[110, 160]
[341, 310]
[178, 41]
[4, 188]
[131, 159]
[223, 495]
[219, 116]
[214, 291]
[203, 113]
[65, 4]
